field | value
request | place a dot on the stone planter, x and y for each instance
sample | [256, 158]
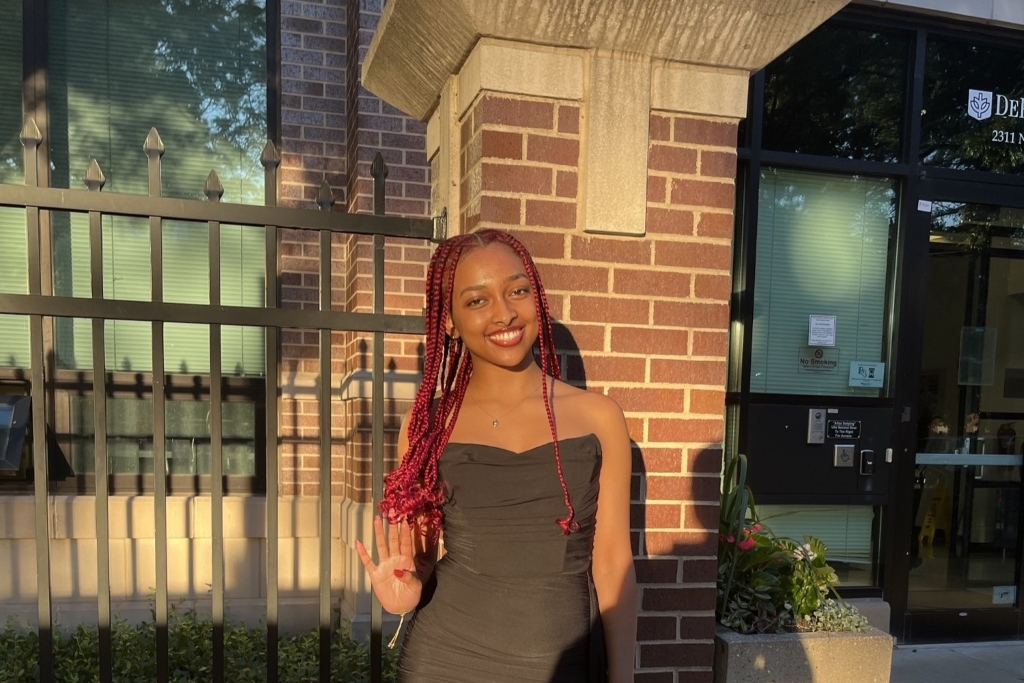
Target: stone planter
[863, 657]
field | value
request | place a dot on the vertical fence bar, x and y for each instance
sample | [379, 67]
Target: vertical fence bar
[30, 139]
[154, 149]
[214, 191]
[271, 159]
[379, 171]
[95, 180]
[325, 200]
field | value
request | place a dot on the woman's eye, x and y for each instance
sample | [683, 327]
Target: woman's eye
[474, 302]
[521, 291]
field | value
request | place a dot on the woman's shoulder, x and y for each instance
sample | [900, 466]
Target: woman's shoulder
[595, 407]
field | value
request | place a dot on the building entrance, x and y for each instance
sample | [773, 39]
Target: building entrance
[964, 568]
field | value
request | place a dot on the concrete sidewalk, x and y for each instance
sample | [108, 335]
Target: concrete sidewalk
[959, 663]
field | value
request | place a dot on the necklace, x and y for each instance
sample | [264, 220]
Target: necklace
[495, 421]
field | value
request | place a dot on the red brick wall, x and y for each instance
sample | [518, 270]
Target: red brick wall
[331, 129]
[643, 320]
[313, 121]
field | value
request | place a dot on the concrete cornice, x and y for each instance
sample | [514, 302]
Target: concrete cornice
[419, 44]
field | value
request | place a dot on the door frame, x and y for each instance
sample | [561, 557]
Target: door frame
[909, 313]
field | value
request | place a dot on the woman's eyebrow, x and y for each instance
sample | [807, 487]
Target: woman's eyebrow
[510, 278]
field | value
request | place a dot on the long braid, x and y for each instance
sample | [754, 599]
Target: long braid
[549, 367]
[413, 490]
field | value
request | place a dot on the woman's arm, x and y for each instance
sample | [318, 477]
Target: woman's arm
[614, 576]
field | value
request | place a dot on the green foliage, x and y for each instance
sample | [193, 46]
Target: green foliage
[833, 616]
[190, 636]
[768, 584]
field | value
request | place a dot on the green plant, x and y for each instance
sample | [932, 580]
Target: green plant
[768, 584]
[190, 650]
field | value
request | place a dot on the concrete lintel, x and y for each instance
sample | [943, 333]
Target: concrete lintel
[700, 90]
[616, 119]
[520, 69]
[419, 44]
[358, 384]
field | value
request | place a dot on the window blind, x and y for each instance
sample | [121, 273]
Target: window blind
[844, 529]
[198, 74]
[822, 249]
[14, 341]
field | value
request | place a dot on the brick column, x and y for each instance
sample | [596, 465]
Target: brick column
[331, 129]
[641, 317]
[613, 160]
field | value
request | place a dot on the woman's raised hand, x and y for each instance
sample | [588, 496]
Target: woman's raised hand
[395, 580]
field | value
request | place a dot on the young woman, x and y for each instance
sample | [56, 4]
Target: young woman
[508, 518]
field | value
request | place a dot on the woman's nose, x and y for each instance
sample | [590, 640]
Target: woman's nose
[503, 312]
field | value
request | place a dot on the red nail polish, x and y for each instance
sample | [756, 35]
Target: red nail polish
[399, 573]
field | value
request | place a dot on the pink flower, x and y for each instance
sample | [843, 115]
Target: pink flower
[746, 544]
[730, 539]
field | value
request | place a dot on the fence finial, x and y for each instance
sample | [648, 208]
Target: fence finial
[325, 196]
[30, 135]
[94, 178]
[379, 169]
[270, 156]
[213, 189]
[153, 145]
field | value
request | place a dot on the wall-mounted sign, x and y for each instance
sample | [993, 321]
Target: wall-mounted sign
[821, 330]
[844, 429]
[867, 375]
[819, 360]
[985, 104]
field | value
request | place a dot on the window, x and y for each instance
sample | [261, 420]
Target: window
[13, 257]
[973, 117]
[197, 72]
[838, 92]
[846, 530]
[822, 250]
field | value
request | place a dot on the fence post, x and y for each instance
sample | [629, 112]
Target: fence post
[154, 149]
[271, 159]
[95, 180]
[325, 200]
[214, 191]
[379, 171]
[31, 138]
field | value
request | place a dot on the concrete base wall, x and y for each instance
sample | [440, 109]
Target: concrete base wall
[803, 657]
[132, 568]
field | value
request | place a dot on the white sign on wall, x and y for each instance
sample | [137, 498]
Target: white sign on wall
[983, 105]
[821, 330]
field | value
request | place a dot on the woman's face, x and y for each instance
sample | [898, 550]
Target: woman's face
[493, 307]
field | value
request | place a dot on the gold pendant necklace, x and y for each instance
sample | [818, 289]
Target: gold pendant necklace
[495, 421]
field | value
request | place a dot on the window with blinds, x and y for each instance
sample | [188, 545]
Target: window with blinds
[14, 341]
[844, 529]
[198, 74]
[822, 249]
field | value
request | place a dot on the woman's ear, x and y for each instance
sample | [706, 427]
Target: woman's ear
[449, 328]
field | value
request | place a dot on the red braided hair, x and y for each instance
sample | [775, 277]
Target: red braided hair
[414, 489]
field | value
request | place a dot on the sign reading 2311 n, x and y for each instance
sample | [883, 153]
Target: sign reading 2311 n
[984, 104]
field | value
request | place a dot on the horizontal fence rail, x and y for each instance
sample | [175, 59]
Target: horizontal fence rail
[41, 306]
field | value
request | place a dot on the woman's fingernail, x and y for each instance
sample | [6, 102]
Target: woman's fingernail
[399, 573]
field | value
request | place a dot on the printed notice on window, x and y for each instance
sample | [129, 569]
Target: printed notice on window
[821, 330]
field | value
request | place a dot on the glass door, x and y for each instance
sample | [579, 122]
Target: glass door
[965, 551]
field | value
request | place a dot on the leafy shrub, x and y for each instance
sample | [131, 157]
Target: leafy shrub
[190, 651]
[768, 584]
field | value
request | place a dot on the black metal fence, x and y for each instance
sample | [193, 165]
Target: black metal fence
[39, 306]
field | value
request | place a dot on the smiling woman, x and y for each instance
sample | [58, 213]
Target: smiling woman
[509, 520]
